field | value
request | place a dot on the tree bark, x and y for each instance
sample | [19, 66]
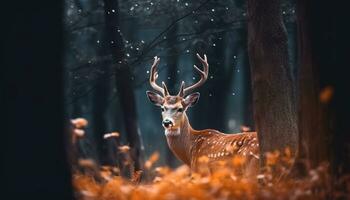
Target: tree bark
[123, 77]
[272, 83]
[311, 113]
[323, 119]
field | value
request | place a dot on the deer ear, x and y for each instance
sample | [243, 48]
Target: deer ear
[191, 99]
[155, 98]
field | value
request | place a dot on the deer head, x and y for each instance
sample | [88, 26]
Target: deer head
[174, 107]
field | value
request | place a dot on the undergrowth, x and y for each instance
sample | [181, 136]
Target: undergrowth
[92, 182]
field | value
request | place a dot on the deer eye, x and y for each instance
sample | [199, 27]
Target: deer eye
[180, 110]
[163, 109]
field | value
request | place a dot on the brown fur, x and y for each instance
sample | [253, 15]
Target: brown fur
[192, 144]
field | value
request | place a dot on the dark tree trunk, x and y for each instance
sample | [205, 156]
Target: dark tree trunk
[248, 108]
[222, 83]
[311, 112]
[323, 119]
[272, 84]
[124, 84]
[100, 100]
[172, 61]
[103, 90]
[338, 77]
[33, 156]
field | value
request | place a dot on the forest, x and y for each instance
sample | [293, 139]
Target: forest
[95, 88]
[81, 120]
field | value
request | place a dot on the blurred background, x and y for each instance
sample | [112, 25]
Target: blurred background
[108, 51]
[108, 48]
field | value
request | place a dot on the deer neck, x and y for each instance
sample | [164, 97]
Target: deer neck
[180, 142]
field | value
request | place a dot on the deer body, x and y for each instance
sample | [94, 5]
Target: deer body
[190, 145]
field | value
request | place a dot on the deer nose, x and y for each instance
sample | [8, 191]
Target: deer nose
[167, 123]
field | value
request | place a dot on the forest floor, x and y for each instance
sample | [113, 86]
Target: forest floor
[180, 183]
[94, 182]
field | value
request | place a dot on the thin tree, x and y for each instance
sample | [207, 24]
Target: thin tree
[123, 78]
[99, 108]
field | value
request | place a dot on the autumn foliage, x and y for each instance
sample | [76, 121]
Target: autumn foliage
[92, 182]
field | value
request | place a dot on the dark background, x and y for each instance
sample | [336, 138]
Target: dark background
[32, 96]
[174, 31]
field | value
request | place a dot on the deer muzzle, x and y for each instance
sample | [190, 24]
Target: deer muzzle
[167, 123]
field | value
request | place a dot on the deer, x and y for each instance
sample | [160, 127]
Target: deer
[188, 144]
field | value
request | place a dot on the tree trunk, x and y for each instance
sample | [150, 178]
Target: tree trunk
[173, 57]
[100, 100]
[272, 84]
[123, 77]
[248, 108]
[311, 113]
[102, 91]
[323, 100]
[33, 155]
[222, 82]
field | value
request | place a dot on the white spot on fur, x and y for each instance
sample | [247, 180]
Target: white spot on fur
[255, 156]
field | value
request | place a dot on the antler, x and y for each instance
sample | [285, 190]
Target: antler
[153, 77]
[203, 73]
